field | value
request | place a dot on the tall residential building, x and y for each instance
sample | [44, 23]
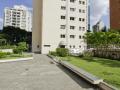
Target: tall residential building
[99, 26]
[59, 23]
[18, 16]
[115, 14]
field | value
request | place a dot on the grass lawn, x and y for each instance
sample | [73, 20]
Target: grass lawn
[107, 69]
[16, 56]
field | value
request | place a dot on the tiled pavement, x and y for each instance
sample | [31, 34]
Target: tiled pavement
[39, 74]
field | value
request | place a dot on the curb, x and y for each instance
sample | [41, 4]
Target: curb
[15, 60]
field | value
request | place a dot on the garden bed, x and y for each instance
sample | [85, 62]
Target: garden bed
[107, 69]
[15, 56]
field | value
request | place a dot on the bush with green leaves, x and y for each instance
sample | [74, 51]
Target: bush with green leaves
[3, 54]
[22, 46]
[53, 53]
[88, 55]
[62, 52]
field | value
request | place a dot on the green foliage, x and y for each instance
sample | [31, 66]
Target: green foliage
[103, 39]
[53, 53]
[15, 35]
[88, 55]
[62, 52]
[3, 54]
[17, 51]
[107, 69]
[22, 46]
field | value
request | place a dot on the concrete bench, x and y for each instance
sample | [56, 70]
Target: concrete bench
[87, 76]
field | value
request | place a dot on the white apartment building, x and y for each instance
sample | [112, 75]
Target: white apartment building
[18, 16]
[59, 23]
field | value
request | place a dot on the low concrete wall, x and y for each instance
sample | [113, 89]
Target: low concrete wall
[7, 50]
[105, 86]
[88, 77]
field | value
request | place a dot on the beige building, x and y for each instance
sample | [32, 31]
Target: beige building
[59, 23]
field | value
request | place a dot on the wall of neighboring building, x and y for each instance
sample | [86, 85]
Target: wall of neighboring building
[37, 25]
[47, 23]
[115, 14]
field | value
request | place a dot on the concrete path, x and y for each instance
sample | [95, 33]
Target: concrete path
[39, 74]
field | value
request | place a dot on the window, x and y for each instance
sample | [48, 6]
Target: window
[83, 37]
[83, 28]
[80, 2]
[83, 19]
[62, 35]
[72, 18]
[80, 37]
[72, 27]
[83, 2]
[80, 28]
[62, 27]
[72, 1]
[73, 46]
[83, 11]
[63, 7]
[80, 10]
[80, 19]
[47, 45]
[72, 36]
[72, 9]
[80, 46]
[62, 17]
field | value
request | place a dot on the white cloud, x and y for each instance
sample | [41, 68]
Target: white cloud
[99, 8]
[23, 7]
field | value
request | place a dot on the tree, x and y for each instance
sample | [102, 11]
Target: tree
[17, 35]
[103, 39]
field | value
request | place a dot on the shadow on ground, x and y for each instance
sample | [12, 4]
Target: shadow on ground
[79, 80]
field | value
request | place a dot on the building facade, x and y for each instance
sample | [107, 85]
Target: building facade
[18, 16]
[115, 14]
[59, 23]
[99, 26]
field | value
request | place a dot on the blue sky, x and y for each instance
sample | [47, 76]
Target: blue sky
[99, 9]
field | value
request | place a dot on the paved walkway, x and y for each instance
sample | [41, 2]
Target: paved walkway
[38, 74]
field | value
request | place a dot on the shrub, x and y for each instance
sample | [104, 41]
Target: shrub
[81, 55]
[17, 51]
[53, 53]
[88, 55]
[3, 54]
[22, 46]
[63, 52]
[8, 53]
